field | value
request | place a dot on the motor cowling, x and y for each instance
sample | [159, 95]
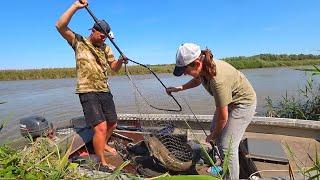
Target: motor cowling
[34, 126]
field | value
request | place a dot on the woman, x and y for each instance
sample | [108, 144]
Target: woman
[235, 99]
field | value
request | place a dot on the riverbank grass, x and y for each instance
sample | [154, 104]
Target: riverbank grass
[241, 62]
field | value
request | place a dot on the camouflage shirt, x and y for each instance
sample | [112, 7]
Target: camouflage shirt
[91, 65]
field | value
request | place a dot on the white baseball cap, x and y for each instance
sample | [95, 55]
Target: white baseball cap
[186, 54]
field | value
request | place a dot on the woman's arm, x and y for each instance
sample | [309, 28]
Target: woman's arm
[220, 123]
[190, 84]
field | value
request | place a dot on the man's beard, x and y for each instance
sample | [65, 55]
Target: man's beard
[97, 44]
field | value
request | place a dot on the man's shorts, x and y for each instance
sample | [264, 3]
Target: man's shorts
[98, 107]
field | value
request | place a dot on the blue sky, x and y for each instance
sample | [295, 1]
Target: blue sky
[150, 31]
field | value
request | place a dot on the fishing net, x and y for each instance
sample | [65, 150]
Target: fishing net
[158, 116]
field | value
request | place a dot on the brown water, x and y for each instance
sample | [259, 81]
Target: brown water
[55, 99]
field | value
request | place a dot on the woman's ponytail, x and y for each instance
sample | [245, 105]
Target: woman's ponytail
[208, 67]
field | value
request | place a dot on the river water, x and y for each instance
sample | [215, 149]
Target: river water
[55, 99]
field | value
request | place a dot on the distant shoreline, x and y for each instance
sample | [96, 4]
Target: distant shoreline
[259, 61]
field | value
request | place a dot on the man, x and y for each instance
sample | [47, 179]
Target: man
[92, 58]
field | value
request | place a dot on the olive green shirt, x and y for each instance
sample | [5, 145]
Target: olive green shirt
[91, 65]
[229, 86]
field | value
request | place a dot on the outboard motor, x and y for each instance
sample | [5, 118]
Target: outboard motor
[34, 126]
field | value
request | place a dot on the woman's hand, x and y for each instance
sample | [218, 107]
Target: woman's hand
[169, 90]
[209, 138]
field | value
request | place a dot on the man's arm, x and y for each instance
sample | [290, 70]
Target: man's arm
[116, 65]
[62, 23]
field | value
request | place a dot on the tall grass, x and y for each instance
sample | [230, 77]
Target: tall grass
[307, 106]
[54, 73]
[277, 57]
[59, 73]
[257, 61]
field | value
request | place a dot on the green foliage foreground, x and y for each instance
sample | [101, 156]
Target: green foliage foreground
[42, 160]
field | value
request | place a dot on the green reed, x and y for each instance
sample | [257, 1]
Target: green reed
[307, 106]
[41, 159]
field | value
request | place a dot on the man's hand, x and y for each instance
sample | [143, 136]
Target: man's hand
[80, 3]
[123, 59]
